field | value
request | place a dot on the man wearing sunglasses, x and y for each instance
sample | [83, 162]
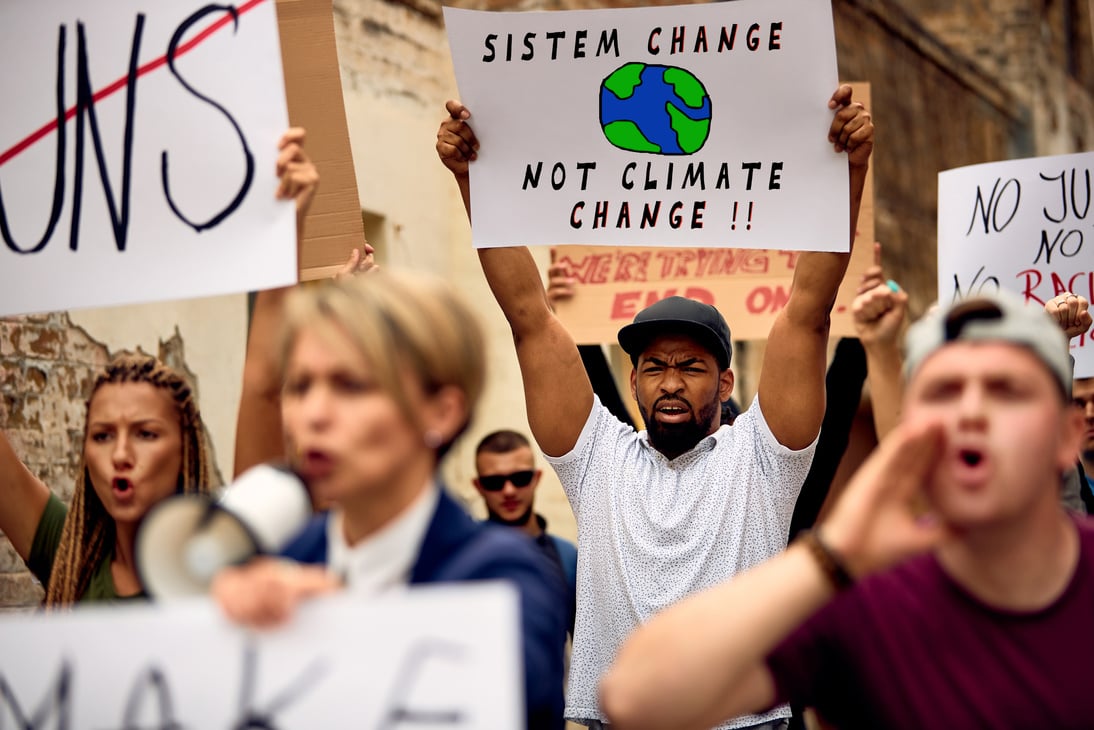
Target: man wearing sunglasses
[507, 480]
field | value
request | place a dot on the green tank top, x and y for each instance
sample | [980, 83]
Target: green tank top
[43, 551]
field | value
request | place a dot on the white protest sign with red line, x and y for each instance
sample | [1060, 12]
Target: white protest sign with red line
[137, 153]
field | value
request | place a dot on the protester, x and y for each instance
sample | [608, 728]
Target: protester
[506, 479]
[143, 441]
[381, 375]
[975, 614]
[685, 504]
[1071, 313]
[878, 314]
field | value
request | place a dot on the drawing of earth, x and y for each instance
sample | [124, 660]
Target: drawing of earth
[662, 110]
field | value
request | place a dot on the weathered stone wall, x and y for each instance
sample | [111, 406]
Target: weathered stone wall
[934, 110]
[959, 84]
[47, 368]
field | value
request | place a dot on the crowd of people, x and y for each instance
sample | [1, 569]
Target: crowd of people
[948, 585]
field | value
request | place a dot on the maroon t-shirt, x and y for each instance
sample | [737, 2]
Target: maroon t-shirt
[909, 648]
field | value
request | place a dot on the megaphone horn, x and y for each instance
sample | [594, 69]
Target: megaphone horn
[184, 540]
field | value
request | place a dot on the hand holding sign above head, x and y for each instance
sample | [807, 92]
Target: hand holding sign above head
[852, 129]
[297, 174]
[457, 146]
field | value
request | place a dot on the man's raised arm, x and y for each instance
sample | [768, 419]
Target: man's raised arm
[791, 386]
[556, 388]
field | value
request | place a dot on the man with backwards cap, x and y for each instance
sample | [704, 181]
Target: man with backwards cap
[688, 502]
[974, 614]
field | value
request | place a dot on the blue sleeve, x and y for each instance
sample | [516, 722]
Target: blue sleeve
[544, 626]
[568, 553]
[500, 554]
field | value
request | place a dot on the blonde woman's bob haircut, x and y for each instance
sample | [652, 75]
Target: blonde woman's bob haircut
[403, 323]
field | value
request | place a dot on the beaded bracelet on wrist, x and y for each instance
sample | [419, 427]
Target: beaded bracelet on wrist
[829, 562]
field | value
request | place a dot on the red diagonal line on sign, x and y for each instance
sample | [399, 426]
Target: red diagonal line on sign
[106, 91]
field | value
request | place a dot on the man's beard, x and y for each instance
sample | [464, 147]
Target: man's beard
[520, 521]
[674, 439]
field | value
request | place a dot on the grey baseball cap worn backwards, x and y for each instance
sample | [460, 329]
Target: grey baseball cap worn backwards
[1001, 317]
[678, 315]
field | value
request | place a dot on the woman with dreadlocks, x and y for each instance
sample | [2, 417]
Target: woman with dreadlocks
[143, 442]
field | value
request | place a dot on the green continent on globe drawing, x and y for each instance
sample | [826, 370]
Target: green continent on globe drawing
[655, 109]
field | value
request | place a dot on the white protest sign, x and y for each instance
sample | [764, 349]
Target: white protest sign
[698, 125]
[137, 153]
[1024, 225]
[435, 656]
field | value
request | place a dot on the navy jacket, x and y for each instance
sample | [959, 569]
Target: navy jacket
[457, 548]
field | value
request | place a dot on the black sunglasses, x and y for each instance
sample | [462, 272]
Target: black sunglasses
[496, 482]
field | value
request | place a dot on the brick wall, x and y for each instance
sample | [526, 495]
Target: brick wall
[47, 366]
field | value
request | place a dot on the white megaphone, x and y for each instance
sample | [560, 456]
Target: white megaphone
[184, 540]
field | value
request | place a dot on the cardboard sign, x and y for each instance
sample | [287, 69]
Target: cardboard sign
[313, 88]
[699, 125]
[748, 286]
[432, 656]
[1023, 225]
[137, 149]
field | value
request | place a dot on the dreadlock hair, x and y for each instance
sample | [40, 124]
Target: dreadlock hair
[88, 535]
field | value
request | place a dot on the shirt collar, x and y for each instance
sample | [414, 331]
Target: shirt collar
[384, 560]
[707, 443]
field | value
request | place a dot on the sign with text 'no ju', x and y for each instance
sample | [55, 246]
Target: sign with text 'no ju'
[137, 152]
[697, 125]
[1024, 225]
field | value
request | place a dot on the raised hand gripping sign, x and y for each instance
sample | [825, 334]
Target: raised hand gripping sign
[1023, 225]
[698, 125]
[137, 153]
[435, 656]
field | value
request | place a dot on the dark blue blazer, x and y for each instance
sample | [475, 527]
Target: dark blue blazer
[457, 548]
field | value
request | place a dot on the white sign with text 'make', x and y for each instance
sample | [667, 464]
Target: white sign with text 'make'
[434, 656]
[137, 153]
[1024, 225]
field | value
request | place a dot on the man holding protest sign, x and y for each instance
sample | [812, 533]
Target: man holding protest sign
[687, 503]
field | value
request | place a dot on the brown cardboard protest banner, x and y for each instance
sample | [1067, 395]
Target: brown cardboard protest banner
[748, 286]
[313, 88]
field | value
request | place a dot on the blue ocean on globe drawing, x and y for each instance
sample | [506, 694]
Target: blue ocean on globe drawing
[655, 109]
